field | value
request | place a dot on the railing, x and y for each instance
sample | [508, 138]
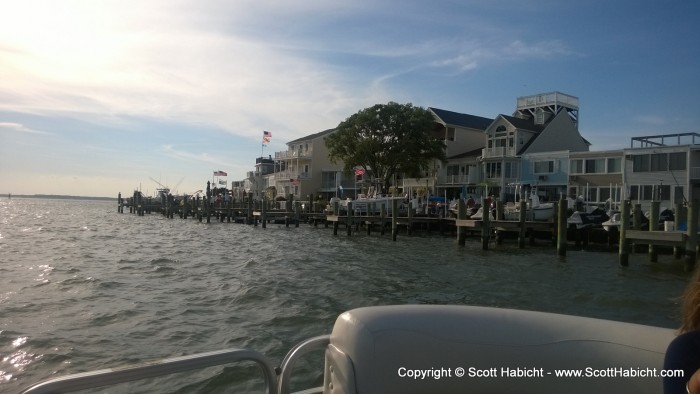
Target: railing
[294, 154]
[287, 175]
[453, 179]
[694, 172]
[105, 377]
[498, 152]
[547, 99]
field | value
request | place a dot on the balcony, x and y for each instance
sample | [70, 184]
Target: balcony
[694, 172]
[287, 175]
[295, 154]
[500, 151]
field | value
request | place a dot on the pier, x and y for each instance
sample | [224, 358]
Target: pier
[395, 219]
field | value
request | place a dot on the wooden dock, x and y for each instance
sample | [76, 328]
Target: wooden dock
[253, 212]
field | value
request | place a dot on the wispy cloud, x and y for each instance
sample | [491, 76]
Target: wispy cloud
[20, 128]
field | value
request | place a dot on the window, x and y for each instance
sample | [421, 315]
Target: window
[676, 161]
[595, 166]
[640, 163]
[452, 170]
[614, 165]
[493, 170]
[659, 162]
[450, 134]
[328, 180]
[678, 194]
[663, 192]
[647, 192]
[577, 166]
[634, 192]
[511, 170]
[544, 167]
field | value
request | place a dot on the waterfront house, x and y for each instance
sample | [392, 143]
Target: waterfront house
[545, 172]
[304, 169]
[663, 167]
[596, 176]
[541, 123]
[463, 136]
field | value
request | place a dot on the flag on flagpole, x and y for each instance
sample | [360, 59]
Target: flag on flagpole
[220, 173]
[359, 171]
[267, 136]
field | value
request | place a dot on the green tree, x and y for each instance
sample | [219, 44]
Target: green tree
[386, 140]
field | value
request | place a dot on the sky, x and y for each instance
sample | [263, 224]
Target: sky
[101, 97]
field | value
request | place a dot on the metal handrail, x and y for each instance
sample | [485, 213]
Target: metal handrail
[105, 377]
[309, 345]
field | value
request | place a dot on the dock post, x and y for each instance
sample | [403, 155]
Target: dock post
[297, 213]
[394, 215]
[679, 217]
[348, 223]
[336, 213]
[382, 216]
[249, 214]
[119, 203]
[409, 226]
[624, 253]
[692, 240]
[263, 213]
[461, 215]
[654, 226]
[562, 208]
[521, 222]
[637, 223]
[499, 210]
[485, 228]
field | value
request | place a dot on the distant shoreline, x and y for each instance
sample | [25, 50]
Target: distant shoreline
[55, 197]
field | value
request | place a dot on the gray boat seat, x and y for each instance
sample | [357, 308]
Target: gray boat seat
[420, 348]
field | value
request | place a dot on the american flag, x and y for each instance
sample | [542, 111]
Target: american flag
[220, 173]
[267, 136]
[359, 171]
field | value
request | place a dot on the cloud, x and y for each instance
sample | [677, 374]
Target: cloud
[20, 128]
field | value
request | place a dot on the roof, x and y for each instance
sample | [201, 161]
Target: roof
[524, 124]
[463, 120]
[313, 136]
[471, 153]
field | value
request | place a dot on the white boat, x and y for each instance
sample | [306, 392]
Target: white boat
[534, 211]
[444, 349]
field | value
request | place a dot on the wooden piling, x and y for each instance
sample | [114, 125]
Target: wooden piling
[692, 240]
[485, 227]
[394, 215]
[521, 221]
[348, 223]
[637, 224]
[263, 213]
[562, 208]
[382, 217]
[409, 226]
[624, 224]
[336, 213]
[654, 226]
[679, 219]
[297, 213]
[461, 215]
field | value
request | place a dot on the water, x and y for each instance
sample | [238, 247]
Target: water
[84, 288]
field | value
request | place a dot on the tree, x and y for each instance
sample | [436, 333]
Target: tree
[385, 140]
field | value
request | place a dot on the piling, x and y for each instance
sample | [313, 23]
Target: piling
[679, 219]
[249, 215]
[409, 226]
[297, 213]
[654, 226]
[624, 255]
[348, 223]
[120, 206]
[485, 228]
[521, 222]
[336, 213]
[692, 240]
[637, 223]
[562, 208]
[263, 213]
[382, 217]
[461, 215]
[394, 215]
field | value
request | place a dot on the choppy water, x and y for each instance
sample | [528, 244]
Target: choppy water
[84, 288]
